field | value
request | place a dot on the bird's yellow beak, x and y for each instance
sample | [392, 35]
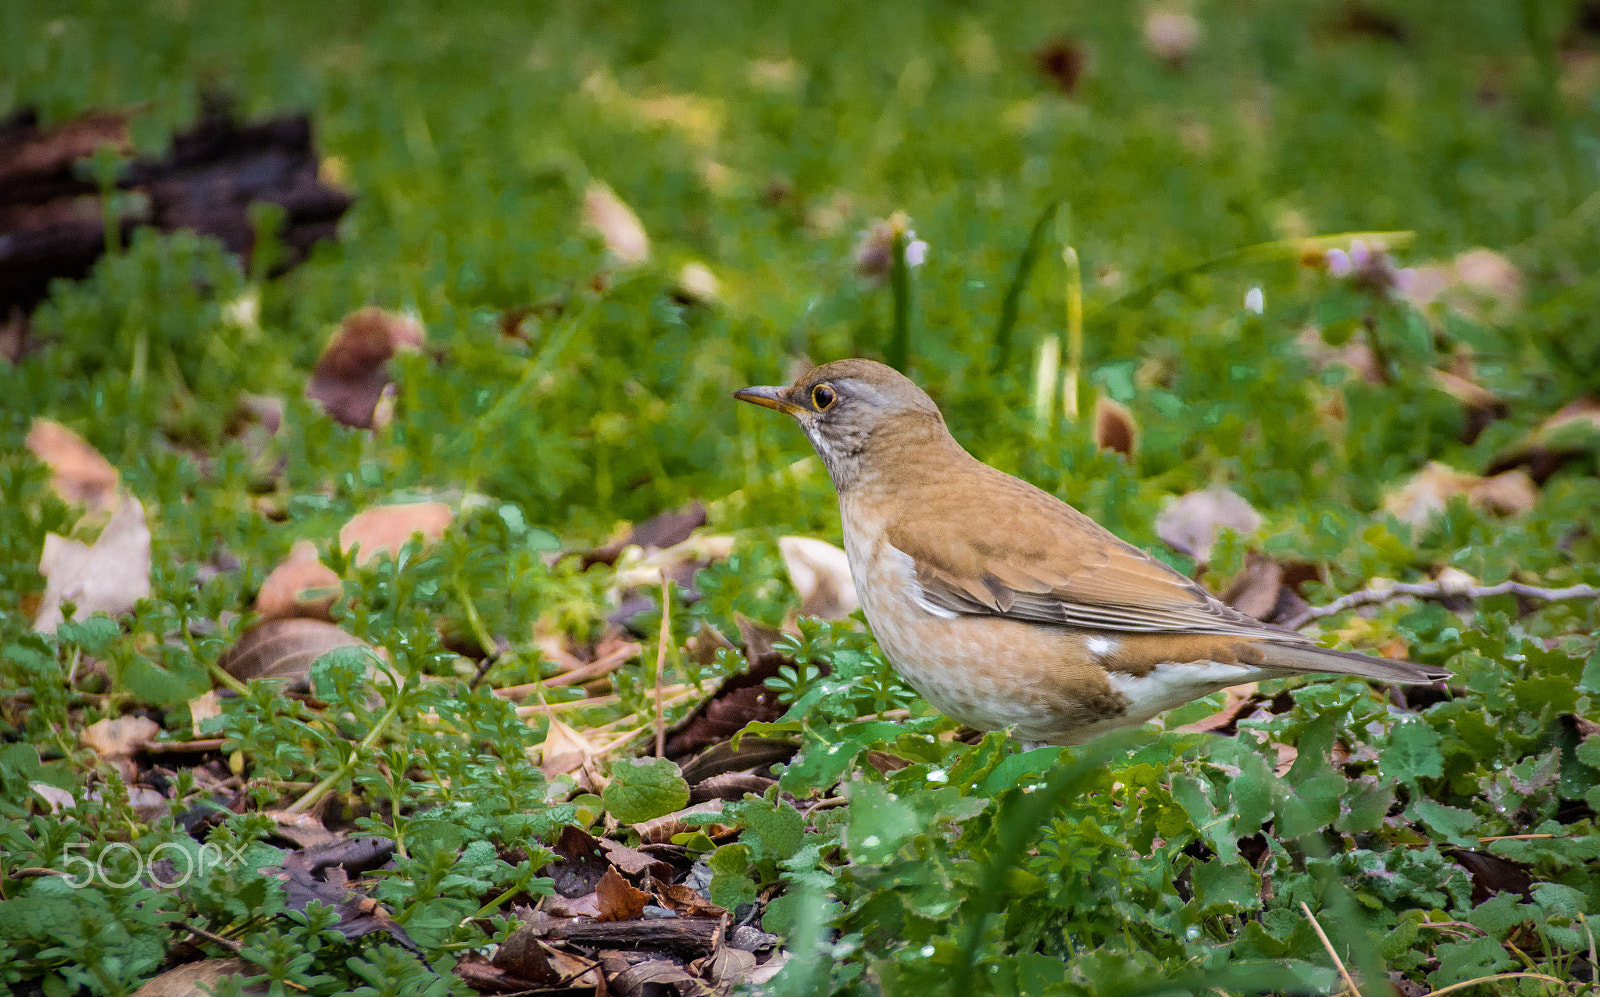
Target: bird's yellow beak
[770, 397]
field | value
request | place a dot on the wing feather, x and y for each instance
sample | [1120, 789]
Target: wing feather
[1060, 568]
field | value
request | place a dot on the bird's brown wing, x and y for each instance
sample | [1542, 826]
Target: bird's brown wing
[1020, 552]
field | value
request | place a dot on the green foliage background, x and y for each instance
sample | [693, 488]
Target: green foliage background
[469, 135]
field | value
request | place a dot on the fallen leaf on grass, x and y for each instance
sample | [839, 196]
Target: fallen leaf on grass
[109, 577]
[77, 471]
[320, 872]
[1571, 433]
[618, 899]
[565, 751]
[304, 830]
[619, 227]
[1190, 524]
[652, 977]
[1429, 491]
[384, 529]
[353, 373]
[301, 586]
[525, 956]
[656, 533]
[661, 829]
[284, 649]
[727, 967]
[121, 737]
[579, 864]
[741, 698]
[54, 797]
[820, 572]
[200, 979]
[1063, 62]
[634, 862]
[1115, 428]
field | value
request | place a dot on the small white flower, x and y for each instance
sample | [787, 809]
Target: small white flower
[1254, 301]
[1337, 262]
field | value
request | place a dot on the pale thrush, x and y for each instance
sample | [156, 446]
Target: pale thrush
[1003, 606]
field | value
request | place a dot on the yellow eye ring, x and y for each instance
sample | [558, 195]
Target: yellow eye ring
[822, 396]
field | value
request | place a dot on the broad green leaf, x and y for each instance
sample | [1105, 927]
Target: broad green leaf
[1412, 753]
[643, 789]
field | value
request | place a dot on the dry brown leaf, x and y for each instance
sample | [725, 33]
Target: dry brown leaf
[120, 737]
[728, 967]
[42, 152]
[385, 528]
[820, 572]
[1571, 433]
[351, 376]
[202, 708]
[301, 586]
[621, 229]
[199, 979]
[527, 957]
[78, 473]
[660, 830]
[618, 899]
[304, 830]
[563, 750]
[654, 976]
[109, 577]
[1492, 279]
[765, 972]
[660, 532]
[696, 283]
[284, 649]
[587, 905]
[54, 797]
[1429, 491]
[634, 862]
[1190, 524]
[683, 899]
[1114, 427]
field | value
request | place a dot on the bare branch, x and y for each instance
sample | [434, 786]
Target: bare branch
[1439, 590]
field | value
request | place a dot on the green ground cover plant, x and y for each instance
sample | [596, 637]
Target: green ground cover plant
[1317, 246]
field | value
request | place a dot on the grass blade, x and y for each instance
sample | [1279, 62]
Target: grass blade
[1019, 283]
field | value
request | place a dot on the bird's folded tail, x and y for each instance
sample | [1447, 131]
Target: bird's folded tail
[1310, 658]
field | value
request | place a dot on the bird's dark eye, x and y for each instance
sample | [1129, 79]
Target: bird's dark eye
[821, 397]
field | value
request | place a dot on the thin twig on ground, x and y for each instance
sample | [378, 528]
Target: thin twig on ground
[1452, 988]
[577, 676]
[661, 662]
[1437, 590]
[1332, 953]
[228, 943]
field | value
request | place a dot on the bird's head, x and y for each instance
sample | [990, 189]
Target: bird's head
[853, 409]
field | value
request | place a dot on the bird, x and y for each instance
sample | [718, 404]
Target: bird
[1003, 606]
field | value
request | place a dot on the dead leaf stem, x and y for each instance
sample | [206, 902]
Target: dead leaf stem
[661, 662]
[1332, 952]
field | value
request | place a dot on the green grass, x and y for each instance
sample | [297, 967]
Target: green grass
[761, 140]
